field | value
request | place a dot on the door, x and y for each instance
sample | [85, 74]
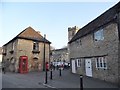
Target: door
[73, 66]
[88, 67]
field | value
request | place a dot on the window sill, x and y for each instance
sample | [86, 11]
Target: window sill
[102, 68]
[12, 51]
[4, 53]
[35, 51]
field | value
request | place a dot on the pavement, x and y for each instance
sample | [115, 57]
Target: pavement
[37, 80]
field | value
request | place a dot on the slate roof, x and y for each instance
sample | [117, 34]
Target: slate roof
[30, 34]
[103, 19]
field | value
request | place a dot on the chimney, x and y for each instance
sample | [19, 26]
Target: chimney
[39, 32]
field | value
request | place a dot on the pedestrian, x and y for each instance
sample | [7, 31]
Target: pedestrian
[4, 68]
[57, 67]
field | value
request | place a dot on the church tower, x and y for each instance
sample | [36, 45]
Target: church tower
[71, 32]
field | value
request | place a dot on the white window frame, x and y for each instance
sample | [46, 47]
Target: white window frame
[101, 62]
[99, 35]
[78, 62]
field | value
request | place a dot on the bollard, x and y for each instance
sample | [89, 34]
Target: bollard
[46, 76]
[51, 74]
[81, 82]
[60, 71]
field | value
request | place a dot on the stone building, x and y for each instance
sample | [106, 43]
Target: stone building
[95, 49]
[59, 55]
[28, 43]
[72, 31]
[0, 55]
[62, 54]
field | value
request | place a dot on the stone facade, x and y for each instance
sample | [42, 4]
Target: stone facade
[103, 55]
[92, 49]
[24, 47]
[0, 55]
[58, 55]
[63, 53]
[72, 31]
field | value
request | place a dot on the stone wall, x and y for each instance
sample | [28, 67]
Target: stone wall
[59, 55]
[10, 57]
[24, 47]
[87, 47]
[119, 49]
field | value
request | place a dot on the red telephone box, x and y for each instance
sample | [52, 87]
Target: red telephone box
[23, 64]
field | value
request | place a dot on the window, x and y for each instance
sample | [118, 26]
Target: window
[73, 33]
[78, 62]
[101, 62]
[97, 62]
[98, 35]
[13, 45]
[36, 46]
[80, 42]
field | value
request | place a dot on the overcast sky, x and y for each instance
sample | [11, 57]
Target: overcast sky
[50, 18]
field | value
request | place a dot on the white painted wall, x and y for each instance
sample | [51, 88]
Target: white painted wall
[0, 58]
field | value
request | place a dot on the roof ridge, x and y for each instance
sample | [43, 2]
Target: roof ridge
[105, 17]
[29, 34]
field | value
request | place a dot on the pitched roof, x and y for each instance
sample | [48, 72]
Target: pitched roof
[30, 34]
[60, 49]
[105, 18]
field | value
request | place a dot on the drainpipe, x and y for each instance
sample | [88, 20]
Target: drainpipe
[49, 54]
[44, 54]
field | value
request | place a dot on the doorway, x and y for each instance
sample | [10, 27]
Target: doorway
[88, 67]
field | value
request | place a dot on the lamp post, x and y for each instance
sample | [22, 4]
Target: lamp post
[44, 54]
[81, 82]
[44, 64]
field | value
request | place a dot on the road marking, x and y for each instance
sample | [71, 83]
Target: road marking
[48, 86]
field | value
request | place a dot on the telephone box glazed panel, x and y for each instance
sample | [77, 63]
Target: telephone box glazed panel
[23, 64]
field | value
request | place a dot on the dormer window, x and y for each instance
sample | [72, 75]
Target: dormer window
[98, 35]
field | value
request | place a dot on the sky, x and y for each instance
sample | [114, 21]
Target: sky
[50, 18]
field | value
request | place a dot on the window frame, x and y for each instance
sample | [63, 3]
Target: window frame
[35, 46]
[78, 62]
[101, 62]
[99, 35]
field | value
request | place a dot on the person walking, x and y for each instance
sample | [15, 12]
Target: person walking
[4, 68]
